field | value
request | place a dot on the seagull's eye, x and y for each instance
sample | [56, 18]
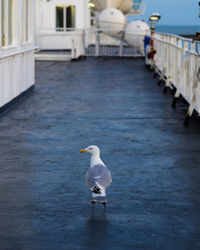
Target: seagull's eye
[90, 148]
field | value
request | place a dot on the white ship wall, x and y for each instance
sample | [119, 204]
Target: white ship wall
[46, 14]
[17, 59]
[50, 39]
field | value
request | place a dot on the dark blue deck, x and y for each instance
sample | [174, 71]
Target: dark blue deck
[154, 200]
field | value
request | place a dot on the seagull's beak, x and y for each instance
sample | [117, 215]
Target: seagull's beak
[83, 150]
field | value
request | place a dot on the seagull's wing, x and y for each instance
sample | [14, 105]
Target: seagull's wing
[98, 173]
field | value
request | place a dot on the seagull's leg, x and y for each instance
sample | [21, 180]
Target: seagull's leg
[103, 202]
[93, 201]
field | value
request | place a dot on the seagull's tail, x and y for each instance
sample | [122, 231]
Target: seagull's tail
[98, 190]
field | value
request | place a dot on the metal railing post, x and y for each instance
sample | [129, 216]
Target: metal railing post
[97, 43]
[178, 61]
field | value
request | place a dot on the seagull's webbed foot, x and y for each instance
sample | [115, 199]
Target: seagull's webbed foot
[104, 202]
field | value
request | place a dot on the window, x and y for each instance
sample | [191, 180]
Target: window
[7, 22]
[65, 18]
[70, 17]
[59, 18]
[26, 18]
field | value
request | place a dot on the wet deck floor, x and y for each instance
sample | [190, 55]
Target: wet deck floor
[154, 200]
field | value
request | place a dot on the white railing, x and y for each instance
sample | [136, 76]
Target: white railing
[112, 42]
[178, 61]
[89, 42]
[58, 39]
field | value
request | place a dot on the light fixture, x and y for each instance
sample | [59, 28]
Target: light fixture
[155, 17]
[91, 4]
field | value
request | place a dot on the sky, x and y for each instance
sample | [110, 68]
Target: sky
[173, 12]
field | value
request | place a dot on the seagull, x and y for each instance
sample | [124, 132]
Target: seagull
[98, 177]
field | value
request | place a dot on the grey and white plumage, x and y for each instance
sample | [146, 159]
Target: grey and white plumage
[98, 176]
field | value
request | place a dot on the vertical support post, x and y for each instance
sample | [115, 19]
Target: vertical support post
[155, 72]
[97, 43]
[20, 17]
[179, 77]
[73, 49]
[162, 76]
[83, 42]
[32, 29]
[175, 99]
[35, 39]
[152, 65]
[193, 101]
[189, 114]
[121, 47]
[167, 84]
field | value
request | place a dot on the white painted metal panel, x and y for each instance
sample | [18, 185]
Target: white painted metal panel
[178, 58]
[17, 71]
[48, 38]
[16, 76]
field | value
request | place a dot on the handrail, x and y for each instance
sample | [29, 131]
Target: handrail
[174, 45]
[175, 36]
[179, 66]
[18, 52]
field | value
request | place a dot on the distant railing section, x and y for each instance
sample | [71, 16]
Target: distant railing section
[110, 42]
[69, 41]
[89, 42]
[178, 62]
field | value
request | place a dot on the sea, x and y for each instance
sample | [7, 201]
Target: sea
[178, 29]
